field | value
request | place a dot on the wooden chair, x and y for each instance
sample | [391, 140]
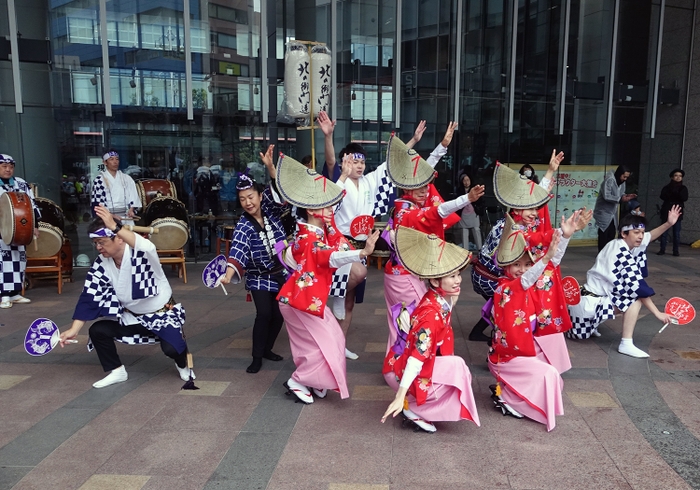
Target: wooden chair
[227, 245]
[40, 265]
[177, 259]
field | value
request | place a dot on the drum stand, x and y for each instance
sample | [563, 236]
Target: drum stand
[177, 259]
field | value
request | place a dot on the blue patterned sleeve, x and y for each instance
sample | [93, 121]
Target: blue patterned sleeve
[240, 243]
[271, 208]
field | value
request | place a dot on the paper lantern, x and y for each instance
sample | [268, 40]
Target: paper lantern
[321, 63]
[297, 82]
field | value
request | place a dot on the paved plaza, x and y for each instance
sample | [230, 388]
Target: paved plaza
[628, 423]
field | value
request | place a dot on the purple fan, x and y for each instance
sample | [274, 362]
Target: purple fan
[41, 338]
[214, 271]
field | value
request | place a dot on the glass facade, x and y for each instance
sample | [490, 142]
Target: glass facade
[176, 84]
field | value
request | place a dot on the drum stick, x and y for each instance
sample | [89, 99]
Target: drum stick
[141, 229]
[36, 244]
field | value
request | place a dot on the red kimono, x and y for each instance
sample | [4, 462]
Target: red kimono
[426, 219]
[514, 314]
[548, 293]
[308, 287]
[430, 332]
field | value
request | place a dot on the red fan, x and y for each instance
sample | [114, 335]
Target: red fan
[361, 227]
[572, 290]
[681, 310]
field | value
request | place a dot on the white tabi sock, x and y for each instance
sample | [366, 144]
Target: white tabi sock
[118, 375]
[628, 348]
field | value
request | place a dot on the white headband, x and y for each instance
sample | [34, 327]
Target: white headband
[102, 233]
[109, 154]
[640, 226]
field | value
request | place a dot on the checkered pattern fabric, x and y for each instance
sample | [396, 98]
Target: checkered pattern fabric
[339, 285]
[99, 192]
[382, 200]
[13, 263]
[583, 328]
[98, 298]
[143, 281]
[13, 259]
[627, 276]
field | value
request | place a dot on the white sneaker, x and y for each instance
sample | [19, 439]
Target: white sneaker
[338, 307]
[350, 355]
[20, 299]
[5, 302]
[118, 375]
[320, 393]
[299, 390]
[185, 373]
[629, 349]
[423, 424]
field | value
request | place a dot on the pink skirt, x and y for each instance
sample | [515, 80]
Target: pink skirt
[553, 350]
[398, 288]
[318, 349]
[450, 393]
[532, 387]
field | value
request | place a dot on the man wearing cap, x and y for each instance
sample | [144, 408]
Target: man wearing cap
[115, 190]
[127, 285]
[14, 259]
[673, 194]
[611, 194]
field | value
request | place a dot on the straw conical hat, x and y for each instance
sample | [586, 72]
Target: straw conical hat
[429, 256]
[406, 168]
[517, 191]
[512, 245]
[303, 187]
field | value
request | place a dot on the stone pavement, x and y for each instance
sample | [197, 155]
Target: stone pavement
[628, 423]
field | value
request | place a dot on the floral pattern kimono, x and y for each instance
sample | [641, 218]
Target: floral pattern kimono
[513, 321]
[430, 335]
[308, 287]
[426, 219]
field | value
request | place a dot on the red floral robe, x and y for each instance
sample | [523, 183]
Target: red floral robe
[514, 312]
[426, 219]
[308, 287]
[430, 332]
[548, 292]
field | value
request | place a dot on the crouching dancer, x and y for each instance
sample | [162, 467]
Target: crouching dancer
[431, 383]
[126, 283]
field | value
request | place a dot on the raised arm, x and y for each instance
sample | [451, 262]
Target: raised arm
[127, 235]
[673, 216]
[417, 134]
[327, 127]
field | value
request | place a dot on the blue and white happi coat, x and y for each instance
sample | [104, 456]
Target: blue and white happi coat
[118, 194]
[616, 280]
[13, 259]
[136, 293]
[252, 247]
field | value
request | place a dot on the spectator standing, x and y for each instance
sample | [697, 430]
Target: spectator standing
[673, 194]
[612, 192]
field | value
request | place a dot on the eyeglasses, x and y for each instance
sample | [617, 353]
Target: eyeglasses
[101, 243]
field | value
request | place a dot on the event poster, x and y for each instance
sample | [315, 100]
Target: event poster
[577, 186]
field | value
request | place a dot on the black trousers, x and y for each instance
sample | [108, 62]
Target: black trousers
[268, 322]
[103, 333]
[607, 236]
